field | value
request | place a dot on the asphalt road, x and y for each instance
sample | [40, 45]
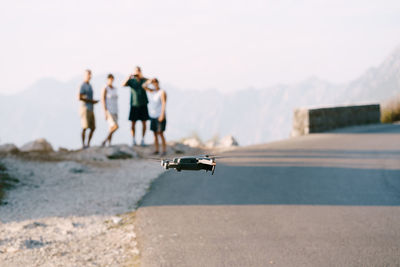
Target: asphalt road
[319, 200]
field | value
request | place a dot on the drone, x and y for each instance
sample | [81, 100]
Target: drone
[193, 163]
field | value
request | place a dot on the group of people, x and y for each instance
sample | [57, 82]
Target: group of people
[147, 102]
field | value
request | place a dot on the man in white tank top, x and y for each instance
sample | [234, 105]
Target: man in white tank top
[156, 107]
[110, 104]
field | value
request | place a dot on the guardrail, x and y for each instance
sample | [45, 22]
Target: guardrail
[319, 120]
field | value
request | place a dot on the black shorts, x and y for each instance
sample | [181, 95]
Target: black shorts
[157, 126]
[139, 113]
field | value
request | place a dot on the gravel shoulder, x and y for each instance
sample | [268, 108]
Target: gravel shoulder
[72, 213]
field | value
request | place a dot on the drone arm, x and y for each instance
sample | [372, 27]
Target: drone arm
[207, 162]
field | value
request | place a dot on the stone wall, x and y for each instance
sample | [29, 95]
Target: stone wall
[319, 120]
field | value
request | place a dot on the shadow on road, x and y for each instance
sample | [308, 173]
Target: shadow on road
[370, 129]
[333, 169]
[233, 185]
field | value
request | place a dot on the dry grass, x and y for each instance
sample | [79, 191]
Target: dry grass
[390, 111]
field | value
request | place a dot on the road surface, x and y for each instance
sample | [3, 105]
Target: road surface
[319, 200]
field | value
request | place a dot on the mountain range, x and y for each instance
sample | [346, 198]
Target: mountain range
[49, 108]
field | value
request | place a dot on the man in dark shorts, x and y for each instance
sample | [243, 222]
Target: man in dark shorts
[138, 111]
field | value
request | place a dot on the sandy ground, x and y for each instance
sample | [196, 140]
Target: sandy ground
[73, 214]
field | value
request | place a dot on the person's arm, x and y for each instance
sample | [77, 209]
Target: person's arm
[163, 104]
[81, 95]
[103, 100]
[83, 98]
[125, 83]
[145, 85]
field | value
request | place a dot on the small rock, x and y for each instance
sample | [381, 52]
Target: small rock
[39, 145]
[228, 141]
[12, 249]
[211, 144]
[120, 152]
[76, 170]
[72, 167]
[116, 220]
[129, 150]
[8, 148]
[63, 149]
[34, 225]
[131, 235]
[78, 225]
[31, 244]
[192, 142]
[180, 148]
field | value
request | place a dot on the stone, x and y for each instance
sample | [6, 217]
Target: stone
[34, 225]
[211, 144]
[180, 148]
[39, 145]
[228, 141]
[63, 149]
[97, 153]
[116, 220]
[12, 249]
[192, 142]
[8, 148]
[120, 152]
[129, 150]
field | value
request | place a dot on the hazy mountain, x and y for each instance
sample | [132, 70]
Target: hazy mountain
[49, 108]
[379, 83]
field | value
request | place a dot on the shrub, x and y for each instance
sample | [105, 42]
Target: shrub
[390, 111]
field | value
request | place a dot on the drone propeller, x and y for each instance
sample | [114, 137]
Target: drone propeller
[221, 157]
[154, 158]
[206, 156]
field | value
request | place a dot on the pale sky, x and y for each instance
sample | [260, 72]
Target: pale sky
[227, 44]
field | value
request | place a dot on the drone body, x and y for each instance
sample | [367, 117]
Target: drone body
[190, 163]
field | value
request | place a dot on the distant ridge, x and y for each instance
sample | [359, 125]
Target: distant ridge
[49, 108]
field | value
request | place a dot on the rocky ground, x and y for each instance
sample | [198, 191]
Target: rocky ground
[75, 207]
[72, 214]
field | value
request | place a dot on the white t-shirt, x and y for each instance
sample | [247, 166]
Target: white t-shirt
[112, 100]
[155, 104]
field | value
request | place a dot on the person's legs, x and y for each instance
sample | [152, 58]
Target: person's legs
[83, 137]
[90, 136]
[164, 145]
[133, 132]
[110, 133]
[144, 126]
[112, 130]
[156, 143]
[85, 120]
[112, 122]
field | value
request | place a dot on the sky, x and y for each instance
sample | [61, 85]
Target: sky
[226, 45]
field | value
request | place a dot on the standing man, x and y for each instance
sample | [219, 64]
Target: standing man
[86, 109]
[139, 102]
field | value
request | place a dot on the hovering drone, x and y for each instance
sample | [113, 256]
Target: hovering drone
[206, 163]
